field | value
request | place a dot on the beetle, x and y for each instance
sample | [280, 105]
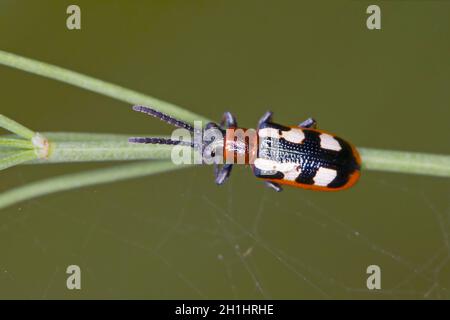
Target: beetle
[300, 156]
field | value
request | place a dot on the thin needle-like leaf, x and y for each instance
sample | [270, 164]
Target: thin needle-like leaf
[84, 179]
[16, 158]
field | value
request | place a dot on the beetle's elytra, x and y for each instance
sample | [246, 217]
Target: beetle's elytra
[300, 156]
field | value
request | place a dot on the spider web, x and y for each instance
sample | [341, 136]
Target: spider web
[232, 248]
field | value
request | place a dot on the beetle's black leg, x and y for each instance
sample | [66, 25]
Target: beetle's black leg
[267, 117]
[308, 123]
[210, 125]
[274, 186]
[216, 170]
[228, 120]
[223, 173]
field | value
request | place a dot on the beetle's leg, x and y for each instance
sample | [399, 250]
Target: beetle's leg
[210, 125]
[267, 117]
[274, 186]
[308, 123]
[223, 173]
[228, 120]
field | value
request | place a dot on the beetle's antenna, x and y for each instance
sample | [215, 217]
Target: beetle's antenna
[164, 117]
[160, 141]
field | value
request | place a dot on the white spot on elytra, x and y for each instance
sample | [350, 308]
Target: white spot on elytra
[293, 135]
[271, 165]
[268, 133]
[324, 176]
[292, 175]
[328, 142]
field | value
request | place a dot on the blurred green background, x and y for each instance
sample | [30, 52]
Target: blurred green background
[177, 235]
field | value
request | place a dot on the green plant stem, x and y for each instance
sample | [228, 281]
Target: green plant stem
[116, 147]
[91, 148]
[17, 158]
[405, 162]
[88, 147]
[84, 179]
[95, 85]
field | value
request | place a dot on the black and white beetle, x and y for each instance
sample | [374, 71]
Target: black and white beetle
[300, 156]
